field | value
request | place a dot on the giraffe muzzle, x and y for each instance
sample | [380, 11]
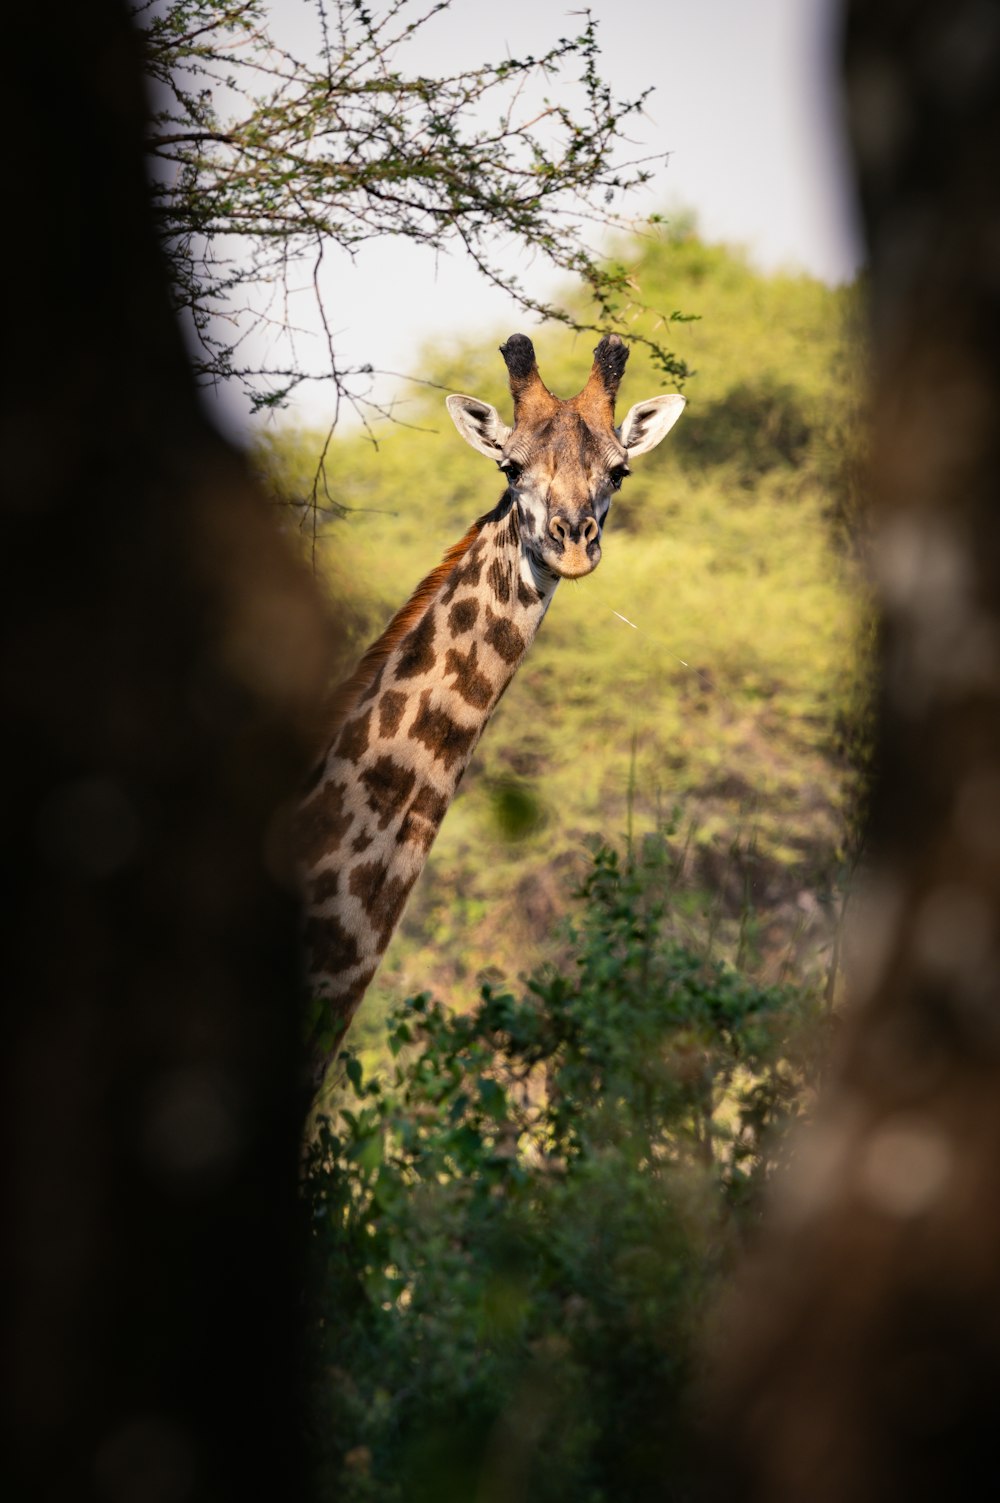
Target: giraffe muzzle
[574, 548]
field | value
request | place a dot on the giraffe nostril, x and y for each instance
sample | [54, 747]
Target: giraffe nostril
[588, 529]
[559, 528]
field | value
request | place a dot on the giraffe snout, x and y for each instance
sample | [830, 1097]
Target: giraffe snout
[583, 532]
[577, 549]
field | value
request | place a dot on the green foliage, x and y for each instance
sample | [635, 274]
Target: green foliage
[516, 1231]
[756, 427]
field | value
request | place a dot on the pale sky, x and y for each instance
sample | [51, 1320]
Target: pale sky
[745, 102]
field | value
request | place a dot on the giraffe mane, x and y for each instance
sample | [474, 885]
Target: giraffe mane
[347, 693]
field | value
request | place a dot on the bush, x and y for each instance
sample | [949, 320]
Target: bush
[516, 1233]
[757, 426]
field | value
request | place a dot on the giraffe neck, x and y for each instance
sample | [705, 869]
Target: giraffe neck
[405, 740]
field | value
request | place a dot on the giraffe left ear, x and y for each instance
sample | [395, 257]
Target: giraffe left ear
[479, 424]
[649, 422]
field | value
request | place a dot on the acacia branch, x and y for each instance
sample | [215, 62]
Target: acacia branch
[274, 157]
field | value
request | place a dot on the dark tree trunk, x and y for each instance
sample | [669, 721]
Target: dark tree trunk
[863, 1357]
[160, 654]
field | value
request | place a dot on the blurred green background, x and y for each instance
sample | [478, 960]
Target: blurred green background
[726, 713]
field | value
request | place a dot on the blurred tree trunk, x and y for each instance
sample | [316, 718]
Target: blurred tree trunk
[863, 1355]
[161, 654]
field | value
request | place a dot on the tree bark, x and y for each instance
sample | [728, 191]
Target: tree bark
[861, 1360]
[161, 654]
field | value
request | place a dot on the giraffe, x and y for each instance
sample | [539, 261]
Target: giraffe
[407, 721]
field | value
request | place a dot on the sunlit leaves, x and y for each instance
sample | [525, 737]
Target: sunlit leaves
[537, 1200]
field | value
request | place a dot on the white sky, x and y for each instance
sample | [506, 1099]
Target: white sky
[745, 102]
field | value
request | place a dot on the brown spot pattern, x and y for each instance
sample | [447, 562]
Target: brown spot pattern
[417, 832]
[468, 573]
[322, 823]
[511, 534]
[388, 786]
[365, 881]
[383, 896]
[416, 651]
[462, 616]
[423, 818]
[390, 711]
[498, 579]
[362, 841]
[373, 688]
[330, 947]
[504, 638]
[526, 593]
[352, 743]
[430, 804]
[448, 741]
[447, 594]
[324, 887]
[472, 685]
[364, 682]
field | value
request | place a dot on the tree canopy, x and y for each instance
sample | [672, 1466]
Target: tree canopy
[279, 138]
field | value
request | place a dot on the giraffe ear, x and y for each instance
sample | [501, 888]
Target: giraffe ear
[479, 424]
[647, 423]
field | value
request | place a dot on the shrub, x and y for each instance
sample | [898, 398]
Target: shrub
[515, 1233]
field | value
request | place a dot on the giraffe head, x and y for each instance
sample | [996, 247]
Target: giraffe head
[564, 459]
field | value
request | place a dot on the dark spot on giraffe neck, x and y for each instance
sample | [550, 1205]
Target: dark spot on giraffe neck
[366, 879]
[474, 687]
[342, 1001]
[416, 651]
[352, 743]
[507, 534]
[423, 818]
[329, 946]
[362, 841]
[462, 616]
[390, 711]
[372, 688]
[322, 823]
[430, 803]
[526, 593]
[448, 741]
[498, 579]
[466, 573]
[504, 637]
[453, 582]
[388, 786]
[324, 888]
[381, 896]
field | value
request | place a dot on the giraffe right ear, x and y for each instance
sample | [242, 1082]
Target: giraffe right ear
[479, 424]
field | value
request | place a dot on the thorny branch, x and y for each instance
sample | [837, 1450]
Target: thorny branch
[264, 158]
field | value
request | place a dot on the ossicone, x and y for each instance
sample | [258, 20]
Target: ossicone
[519, 357]
[597, 399]
[526, 385]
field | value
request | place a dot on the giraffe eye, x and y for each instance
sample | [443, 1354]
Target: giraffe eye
[617, 475]
[511, 469]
